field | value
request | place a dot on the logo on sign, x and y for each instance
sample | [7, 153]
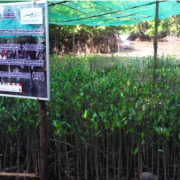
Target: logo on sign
[31, 16]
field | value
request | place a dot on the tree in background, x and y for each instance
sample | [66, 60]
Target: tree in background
[98, 39]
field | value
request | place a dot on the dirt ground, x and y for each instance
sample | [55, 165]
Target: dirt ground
[144, 48]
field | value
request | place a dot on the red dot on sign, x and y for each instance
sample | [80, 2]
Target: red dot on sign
[20, 84]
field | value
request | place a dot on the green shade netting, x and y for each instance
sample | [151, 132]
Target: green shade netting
[107, 13]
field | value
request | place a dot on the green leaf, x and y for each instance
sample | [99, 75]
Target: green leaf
[142, 134]
[98, 133]
[68, 125]
[55, 123]
[136, 150]
[94, 114]
[85, 114]
[82, 138]
[10, 128]
[144, 107]
[123, 119]
[13, 118]
[58, 131]
[96, 126]
[164, 113]
[136, 104]
[156, 128]
[142, 142]
[130, 130]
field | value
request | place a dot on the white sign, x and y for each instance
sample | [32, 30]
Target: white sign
[24, 61]
[31, 16]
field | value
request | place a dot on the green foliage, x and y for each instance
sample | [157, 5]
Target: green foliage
[166, 26]
[121, 96]
[108, 97]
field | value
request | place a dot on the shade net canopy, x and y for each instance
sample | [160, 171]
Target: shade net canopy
[107, 13]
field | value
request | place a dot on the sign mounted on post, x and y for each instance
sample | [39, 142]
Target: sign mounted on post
[24, 50]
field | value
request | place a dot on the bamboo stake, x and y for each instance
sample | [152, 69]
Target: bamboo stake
[155, 40]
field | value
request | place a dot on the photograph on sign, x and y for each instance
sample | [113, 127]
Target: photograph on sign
[24, 54]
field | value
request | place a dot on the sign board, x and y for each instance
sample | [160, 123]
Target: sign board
[24, 50]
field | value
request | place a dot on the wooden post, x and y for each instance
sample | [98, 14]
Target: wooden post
[155, 40]
[43, 139]
[56, 40]
[73, 42]
[112, 42]
[9, 174]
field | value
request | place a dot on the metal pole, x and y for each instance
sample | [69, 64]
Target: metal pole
[155, 40]
[43, 139]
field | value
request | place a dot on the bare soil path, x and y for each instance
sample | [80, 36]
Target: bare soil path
[144, 48]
